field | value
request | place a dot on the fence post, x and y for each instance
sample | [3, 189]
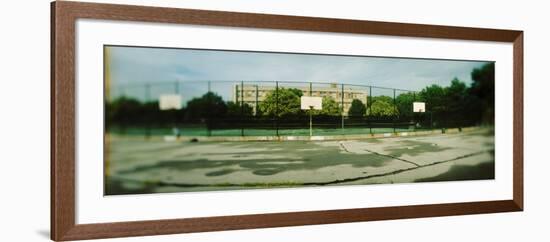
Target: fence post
[256, 104]
[414, 113]
[342, 108]
[147, 123]
[369, 105]
[176, 128]
[123, 123]
[415, 116]
[310, 122]
[395, 109]
[208, 131]
[276, 108]
[242, 108]
[208, 120]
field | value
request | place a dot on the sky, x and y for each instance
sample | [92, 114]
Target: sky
[139, 65]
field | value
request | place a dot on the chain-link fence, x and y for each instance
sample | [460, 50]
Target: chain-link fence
[264, 108]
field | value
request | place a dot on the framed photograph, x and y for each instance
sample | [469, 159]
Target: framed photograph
[172, 120]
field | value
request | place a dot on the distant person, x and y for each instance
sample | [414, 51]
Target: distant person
[176, 132]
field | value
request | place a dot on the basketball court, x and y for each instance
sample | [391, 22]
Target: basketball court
[144, 166]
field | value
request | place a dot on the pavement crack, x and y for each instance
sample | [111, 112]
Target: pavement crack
[376, 153]
[344, 147]
[393, 157]
[295, 184]
[396, 171]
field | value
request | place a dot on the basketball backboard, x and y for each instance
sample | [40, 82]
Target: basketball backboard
[311, 102]
[169, 101]
[419, 107]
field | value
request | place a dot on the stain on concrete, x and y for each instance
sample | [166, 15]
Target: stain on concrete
[413, 148]
[115, 186]
[298, 158]
[143, 161]
[220, 172]
[481, 171]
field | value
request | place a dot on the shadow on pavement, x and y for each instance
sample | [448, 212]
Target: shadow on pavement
[482, 171]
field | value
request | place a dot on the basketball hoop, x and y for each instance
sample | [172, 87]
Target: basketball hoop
[311, 103]
[419, 107]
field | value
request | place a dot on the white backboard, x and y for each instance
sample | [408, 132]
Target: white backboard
[307, 103]
[169, 101]
[419, 107]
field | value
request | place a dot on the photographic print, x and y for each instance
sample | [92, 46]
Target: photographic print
[192, 120]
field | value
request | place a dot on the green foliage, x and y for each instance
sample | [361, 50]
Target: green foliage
[330, 107]
[383, 106]
[404, 104]
[434, 96]
[234, 110]
[457, 103]
[436, 104]
[210, 105]
[483, 87]
[357, 108]
[382, 98]
[130, 111]
[123, 110]
[284, 103]
[455, 99]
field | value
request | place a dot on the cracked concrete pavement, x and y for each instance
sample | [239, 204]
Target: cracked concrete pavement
[158, 166]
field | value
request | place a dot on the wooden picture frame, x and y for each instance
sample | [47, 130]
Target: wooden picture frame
[63, 18]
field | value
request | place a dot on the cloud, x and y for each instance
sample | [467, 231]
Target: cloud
[135, 65]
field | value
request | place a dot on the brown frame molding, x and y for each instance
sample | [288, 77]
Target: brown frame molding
[63, 18]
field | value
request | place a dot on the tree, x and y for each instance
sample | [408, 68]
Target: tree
[434, 96]
[330, 107]
[483, 87]
[382, 98]
[357, 108]
[234, 110]
[382, 106]
[210, 105]
[404, 104]
[455, 96]
[151, 114]
[285, 102]
[124, 111]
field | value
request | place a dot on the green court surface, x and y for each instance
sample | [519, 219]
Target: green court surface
[200, 131]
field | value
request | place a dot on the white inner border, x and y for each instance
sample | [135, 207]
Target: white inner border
[93, 207]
